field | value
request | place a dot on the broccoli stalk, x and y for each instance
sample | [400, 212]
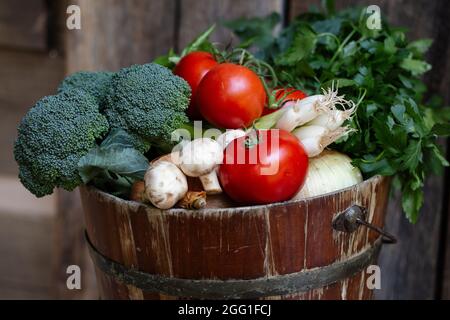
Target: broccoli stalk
[149, 102]
[53, 136]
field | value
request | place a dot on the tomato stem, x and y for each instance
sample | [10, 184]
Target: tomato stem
[264, 71]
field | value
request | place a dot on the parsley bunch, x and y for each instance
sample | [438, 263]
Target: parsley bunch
[379, 70]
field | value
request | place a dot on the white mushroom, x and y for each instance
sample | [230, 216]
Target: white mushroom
[200, 158]
[173, 157]
[165, 184]
[225, 138]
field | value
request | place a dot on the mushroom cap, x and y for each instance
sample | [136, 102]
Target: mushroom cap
[200, 156]
[165, 184]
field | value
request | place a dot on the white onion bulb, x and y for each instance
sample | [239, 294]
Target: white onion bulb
[328, 172]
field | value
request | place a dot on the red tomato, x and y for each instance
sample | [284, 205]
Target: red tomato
[289, 94]
[231, 96]
[266, 172]
[192, 68]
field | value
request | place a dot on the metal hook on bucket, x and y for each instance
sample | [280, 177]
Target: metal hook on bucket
[354, 216]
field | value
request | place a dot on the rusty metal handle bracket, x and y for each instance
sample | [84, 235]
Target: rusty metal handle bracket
[350, 219]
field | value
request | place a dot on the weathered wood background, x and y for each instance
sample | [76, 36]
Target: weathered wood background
[36, 49]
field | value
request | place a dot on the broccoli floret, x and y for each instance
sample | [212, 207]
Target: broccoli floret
[53, 136]
[149, 102]
[94, 83]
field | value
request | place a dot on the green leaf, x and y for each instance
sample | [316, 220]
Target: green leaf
[339, 83]
[117, 138]
[373, 167]
[304, 69]
[418, 120]
[399, 36]
[257, 31]
[436, 160]
[167, 60]
[329, 6]
[391, 137]
[268, 121]
[126, 162]
[412, 201]
[364, 78]
[328, 26]
[199, 42]
[389, 45]
[412, 155]
[439, 114]
[405, 81]
[441, 129]
[420, 46]
[437, 152]
[350, 49]
[371, 108]
[114, 165]
[398, 111]
[416, 67]
[301, 47]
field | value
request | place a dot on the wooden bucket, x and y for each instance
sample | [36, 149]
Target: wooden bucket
[284, 250]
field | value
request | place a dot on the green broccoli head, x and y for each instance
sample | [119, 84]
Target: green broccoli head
[94, 83]
[53, 136]
[148, 101]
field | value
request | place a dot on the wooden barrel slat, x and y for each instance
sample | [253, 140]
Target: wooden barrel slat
[234, 243]
[288, 232]
[221, 246]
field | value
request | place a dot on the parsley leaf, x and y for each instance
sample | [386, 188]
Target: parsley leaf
[397, 130]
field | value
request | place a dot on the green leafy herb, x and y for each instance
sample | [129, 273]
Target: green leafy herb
[257, 30]
[397, 129]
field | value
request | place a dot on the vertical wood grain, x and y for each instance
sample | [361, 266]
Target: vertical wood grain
[70, 249]
[439, 81]
[198, 15]
[23, 24]
[232, 243]
[445, 289]
[116, 33]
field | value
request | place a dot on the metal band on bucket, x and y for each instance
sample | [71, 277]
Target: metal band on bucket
[237, 289]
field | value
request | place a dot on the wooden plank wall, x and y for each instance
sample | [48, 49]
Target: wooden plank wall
[29, 69]
[197, 16]
[116, 33]
[23, 24]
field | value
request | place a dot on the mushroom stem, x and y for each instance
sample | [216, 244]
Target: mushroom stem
[210, 183]
[200, 158]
